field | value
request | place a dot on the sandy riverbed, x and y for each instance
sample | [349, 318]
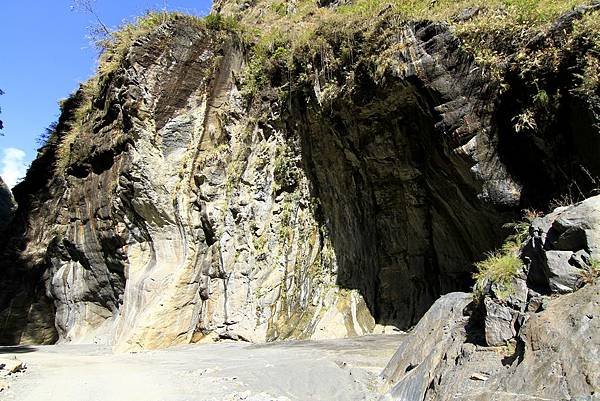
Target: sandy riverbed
[299, 370]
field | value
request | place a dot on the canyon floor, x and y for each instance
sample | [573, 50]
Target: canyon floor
[329, 370]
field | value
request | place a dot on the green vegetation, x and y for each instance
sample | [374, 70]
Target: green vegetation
[288, 217]
[216, 22]
[284, 169]
[70, 149]
[499, 268]
[503, 265]
[520, 231]
[494, 32]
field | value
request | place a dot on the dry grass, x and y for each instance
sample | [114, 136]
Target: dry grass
[591, 273]
[502, 266]
[279, 40]
[493, 35]
[74, 144]
[116, 47]
[498, 268]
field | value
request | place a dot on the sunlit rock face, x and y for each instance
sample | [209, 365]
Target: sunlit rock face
[186, 229]
[185, 212]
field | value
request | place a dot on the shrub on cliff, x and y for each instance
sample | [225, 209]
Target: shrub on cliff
[591, 273]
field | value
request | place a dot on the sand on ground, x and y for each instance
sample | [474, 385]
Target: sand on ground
[331, 370]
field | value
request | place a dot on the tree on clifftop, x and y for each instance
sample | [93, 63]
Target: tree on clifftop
[88, 6]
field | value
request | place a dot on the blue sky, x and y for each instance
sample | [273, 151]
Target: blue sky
[44, 55]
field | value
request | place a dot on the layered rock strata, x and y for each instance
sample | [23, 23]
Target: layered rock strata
[169, 208]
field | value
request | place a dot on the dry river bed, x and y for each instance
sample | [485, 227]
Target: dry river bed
[329, 370]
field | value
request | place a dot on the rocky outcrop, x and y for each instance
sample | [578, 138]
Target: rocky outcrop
[178, 216]
[7, 205]
[524, 346]
[554, 357]
[170, 206]
[399, 174]
[560, 256]
[563, 245]
[183, 229]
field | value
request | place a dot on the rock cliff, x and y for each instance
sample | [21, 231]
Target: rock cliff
[211, 184]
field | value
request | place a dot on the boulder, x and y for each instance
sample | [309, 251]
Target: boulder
[499, 323]
[562, 276]
[562, 243]
[429, 353]
[561, 350]
[9, 366]
[517, 296]
[439, 358]
[555, 355]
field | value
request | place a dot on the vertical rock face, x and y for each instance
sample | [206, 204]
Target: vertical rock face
[394, 168]
[168, 208]
[195, 222]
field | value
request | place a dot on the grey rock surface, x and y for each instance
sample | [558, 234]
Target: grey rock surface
[184, 229]
[562, 276]
[409, 372]
[178, 210]
[563, 243]
[525, 346]
[189, 220]
[499, 323]
[554, 357]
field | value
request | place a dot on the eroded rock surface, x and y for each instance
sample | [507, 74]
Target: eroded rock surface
[173, 225]
[563, 244]
[170, 208]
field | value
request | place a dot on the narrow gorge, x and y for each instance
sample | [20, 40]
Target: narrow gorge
[304, 170]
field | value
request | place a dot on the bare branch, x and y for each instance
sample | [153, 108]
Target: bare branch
[88, 6]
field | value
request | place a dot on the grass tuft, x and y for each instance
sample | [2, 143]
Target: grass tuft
[591, 273]
[498, 268]
[503, 265]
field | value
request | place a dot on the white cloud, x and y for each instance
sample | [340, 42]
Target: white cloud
[13, 166]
